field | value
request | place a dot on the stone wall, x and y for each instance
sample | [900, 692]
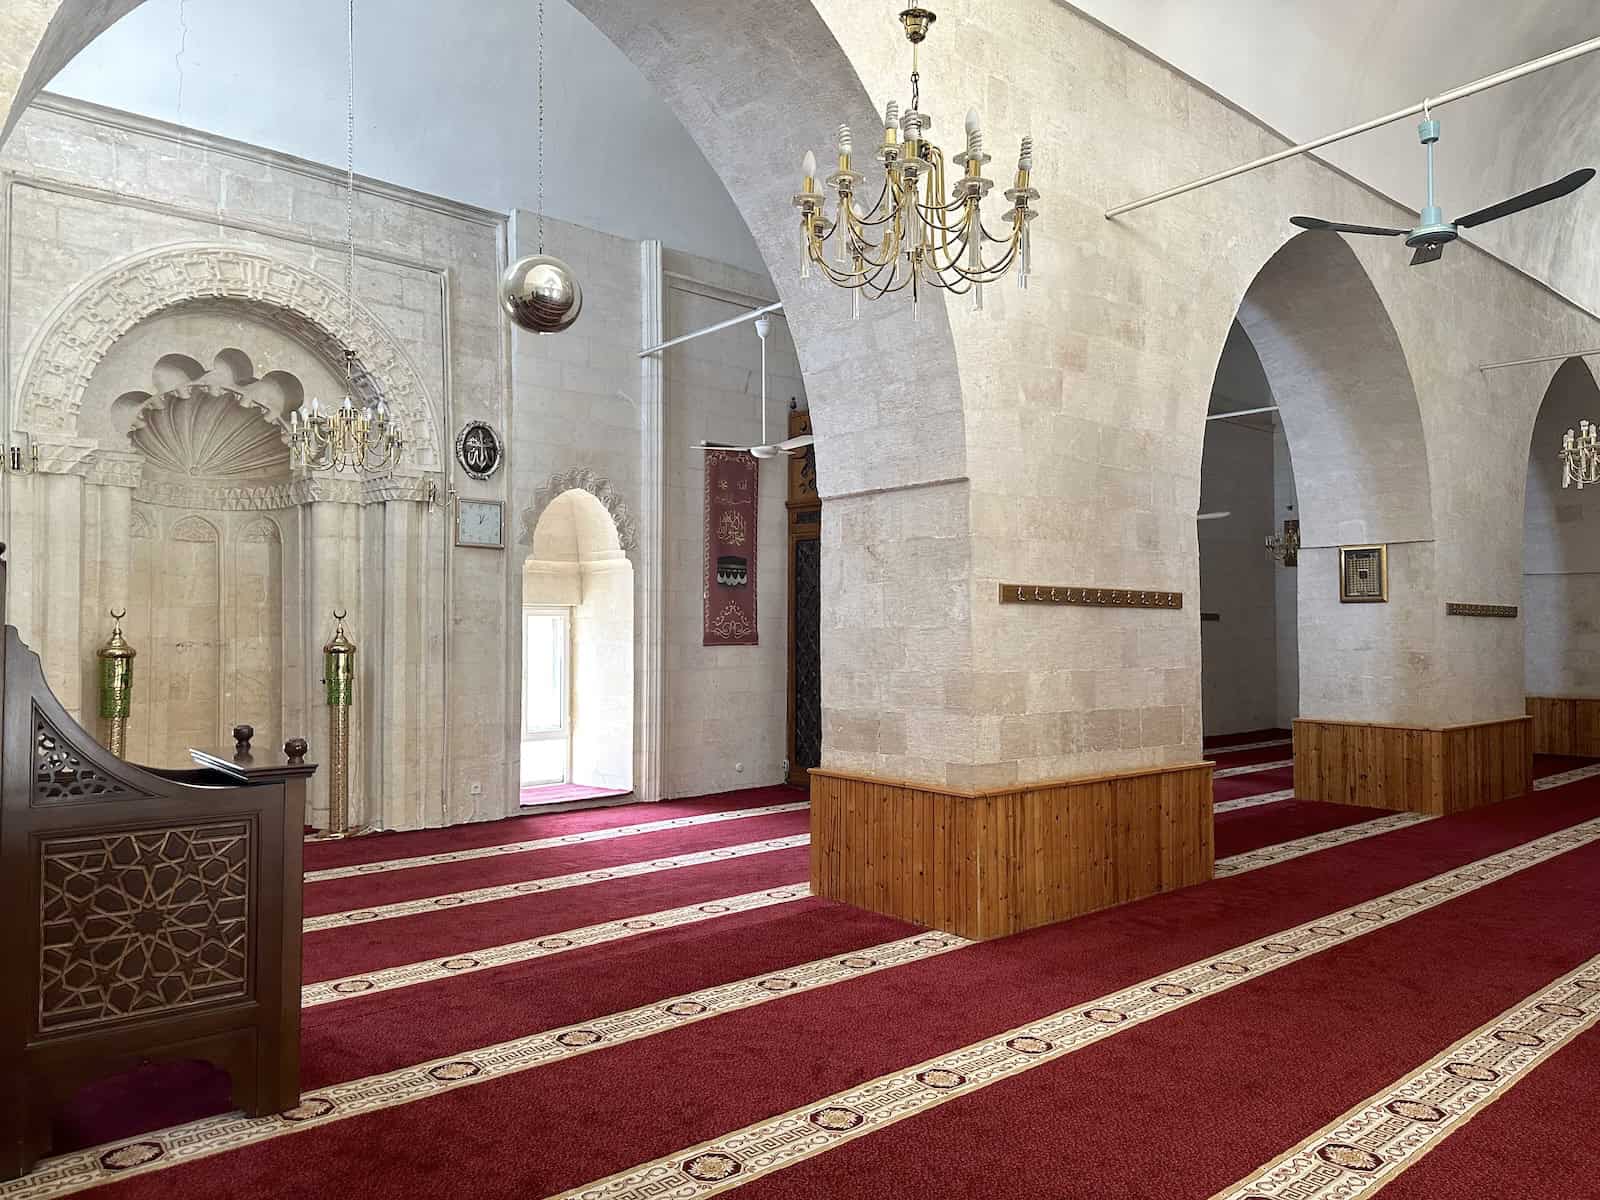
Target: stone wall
[96, 201]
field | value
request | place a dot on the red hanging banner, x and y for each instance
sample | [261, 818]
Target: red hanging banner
[732, 485]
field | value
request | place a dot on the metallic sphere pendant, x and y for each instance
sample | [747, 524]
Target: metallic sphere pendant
[541, 294]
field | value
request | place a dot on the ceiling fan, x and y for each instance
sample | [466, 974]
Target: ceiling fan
[1434, 233]
[766, 449]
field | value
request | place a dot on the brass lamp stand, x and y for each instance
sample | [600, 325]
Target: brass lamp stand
[339, 677]
[116, 684]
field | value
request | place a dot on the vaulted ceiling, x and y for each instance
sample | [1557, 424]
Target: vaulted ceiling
[446, 104]
[1310, 69]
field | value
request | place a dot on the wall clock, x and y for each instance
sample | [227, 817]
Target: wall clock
[481, 523]
[478, 449]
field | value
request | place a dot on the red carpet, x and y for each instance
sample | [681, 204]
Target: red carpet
[1219, 744]
[380, 846]
[1273, 1059]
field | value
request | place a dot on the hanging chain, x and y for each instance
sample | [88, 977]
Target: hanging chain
[177, 59]
[541, 126]
[350, 188]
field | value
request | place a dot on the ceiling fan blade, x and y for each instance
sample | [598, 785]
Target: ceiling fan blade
[1340, 227]
[1564, 186]
[1427, 252]
[1213, 516]
[797, 443]
[717, 446]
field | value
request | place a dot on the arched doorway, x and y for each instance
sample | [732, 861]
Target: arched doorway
[1314, 341]
[1248, 641]
[577, 724]
[1561, 576]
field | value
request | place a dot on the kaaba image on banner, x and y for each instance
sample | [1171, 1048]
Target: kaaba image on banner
[733, 480]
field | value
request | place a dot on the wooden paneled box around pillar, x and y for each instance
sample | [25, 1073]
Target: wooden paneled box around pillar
[116, 685]
[339, 677]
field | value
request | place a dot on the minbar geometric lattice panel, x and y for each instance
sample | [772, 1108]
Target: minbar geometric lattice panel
[133, 924]
[61, 776]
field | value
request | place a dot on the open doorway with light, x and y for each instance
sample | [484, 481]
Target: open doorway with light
[577, 656]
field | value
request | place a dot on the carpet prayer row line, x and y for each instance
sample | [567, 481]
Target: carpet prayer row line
[1334, 997]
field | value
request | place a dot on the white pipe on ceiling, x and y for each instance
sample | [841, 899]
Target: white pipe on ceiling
[1543, 358]
[1240, 412]
[1457, 93]
[717, 328]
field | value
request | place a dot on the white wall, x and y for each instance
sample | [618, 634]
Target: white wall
[725, 710]
[89, 191]
[443, 105]
[1561, 550]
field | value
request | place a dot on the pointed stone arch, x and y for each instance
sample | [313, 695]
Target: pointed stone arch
[583, 479]
[78, 334]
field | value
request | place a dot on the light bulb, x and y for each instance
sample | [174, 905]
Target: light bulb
[1025, 159]
[974, 133]
[846, 143]
[808, 166]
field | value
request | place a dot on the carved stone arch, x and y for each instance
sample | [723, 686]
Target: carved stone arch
[583, 479]
[141, 527]
[263, 529]
[83, 328]
[195, 529]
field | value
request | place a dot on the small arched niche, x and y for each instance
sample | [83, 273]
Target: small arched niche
[578, 649]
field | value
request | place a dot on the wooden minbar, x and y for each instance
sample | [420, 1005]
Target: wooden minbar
[148, 915]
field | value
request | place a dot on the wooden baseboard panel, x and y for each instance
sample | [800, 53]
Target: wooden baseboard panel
[1566, 725]
[985, 864]
[1412, 768]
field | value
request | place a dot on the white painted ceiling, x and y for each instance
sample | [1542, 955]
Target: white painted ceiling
[1309, 69]
[445, 104]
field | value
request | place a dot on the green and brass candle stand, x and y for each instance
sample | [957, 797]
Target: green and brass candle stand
[116, 685]
[339, 677]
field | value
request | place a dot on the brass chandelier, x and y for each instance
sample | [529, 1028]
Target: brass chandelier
[1580, 456]
[921, 231]
[363, 440]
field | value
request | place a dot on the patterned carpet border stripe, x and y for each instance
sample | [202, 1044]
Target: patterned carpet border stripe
[1250, 768]
[1368, 1146]
[570, 839]
[215, 1135]
[1265, 857]
[745, 1155]
[510, 891]
[430, 970]
[1576, 775]
[1217, 751]
[1222, 806]
[1270, 856]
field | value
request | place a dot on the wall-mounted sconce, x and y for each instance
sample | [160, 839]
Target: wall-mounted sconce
[22, 459]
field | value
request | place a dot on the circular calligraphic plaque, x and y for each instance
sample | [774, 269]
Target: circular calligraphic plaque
[478, 450]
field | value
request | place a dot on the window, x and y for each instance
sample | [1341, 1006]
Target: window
[546, 694]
